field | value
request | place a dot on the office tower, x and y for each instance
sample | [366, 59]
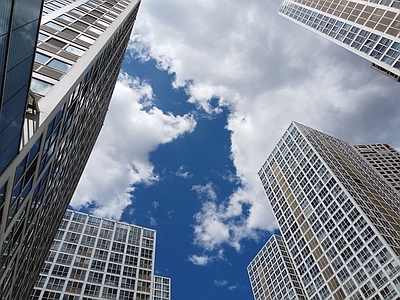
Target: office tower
[80, 48]
[385, 160]
[369, 29]
[18, 34]
[161, 288]
[272, 273]
[339, 218]
[96, 258]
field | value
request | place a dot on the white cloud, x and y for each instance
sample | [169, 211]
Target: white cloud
[155, 204]
[205, 190]
[200, 260]
[204, 259]
[220, 282]
[182, 173]
[268, 72]
[120, 160]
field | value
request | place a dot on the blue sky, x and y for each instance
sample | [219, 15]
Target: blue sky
[205, 92]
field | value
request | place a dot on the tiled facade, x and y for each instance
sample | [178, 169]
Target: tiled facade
[272, 273]
[385, 160]
[96, 258]
[339, 218]
[370, 29]
[74, 76]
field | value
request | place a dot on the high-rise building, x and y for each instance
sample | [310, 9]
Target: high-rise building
[81, 45]
[339, 218]
[19, 28]
[272, 273]
[161, 288]
[370, 29]
[385, 159]
[96, 258]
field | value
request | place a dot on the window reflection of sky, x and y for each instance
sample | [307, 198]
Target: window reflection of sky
[40, 87]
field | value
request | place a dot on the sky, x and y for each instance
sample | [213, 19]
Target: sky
[206, 90]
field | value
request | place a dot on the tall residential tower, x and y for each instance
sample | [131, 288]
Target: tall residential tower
[370, 29]
[339, 218]
[80, 49]
[96, 258]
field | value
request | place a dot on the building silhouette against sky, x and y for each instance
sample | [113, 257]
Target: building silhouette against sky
[81, 45]
[370, 29]
[97, 258]
[339, 218]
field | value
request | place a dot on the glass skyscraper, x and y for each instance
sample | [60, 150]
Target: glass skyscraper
[81, 45]
[338, 216]
[96, 258]
[370, 29]
[19, 26]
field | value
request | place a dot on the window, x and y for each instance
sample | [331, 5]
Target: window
[128, 283]
[92, 290]
[95, 277]
[59, 65]
[60, 271]
[360, 276]
[353, 265]
[111, 280]
[41, 58]
[98, 265]
[343, 274]
[129, 271]
[114, 268]
[109, 293]
[55, 284]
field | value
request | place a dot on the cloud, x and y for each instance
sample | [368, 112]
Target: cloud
[204, 259]
[205, 190]
[267, 72]
[120, 160]
[155, 204]
[220, 282]
[200, 260]
[181, 173]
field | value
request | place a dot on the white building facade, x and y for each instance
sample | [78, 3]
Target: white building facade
[339, 218]
[79, 54]
[96, 258]
[272, 273]
[370, 29]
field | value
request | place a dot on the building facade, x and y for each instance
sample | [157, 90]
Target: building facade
[339, 217]
[19, 27]
[96, 258]
[370, 29]
[81, 45]
[272, 273]
[385, 159]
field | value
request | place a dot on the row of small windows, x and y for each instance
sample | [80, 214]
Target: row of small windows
[360, 39]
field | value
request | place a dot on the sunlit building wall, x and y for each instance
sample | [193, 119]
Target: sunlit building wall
[97, 258]
[80, 49]
[370, 29]
[272, 273]
[338, 216]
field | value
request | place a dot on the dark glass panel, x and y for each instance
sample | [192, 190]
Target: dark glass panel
[25, 11]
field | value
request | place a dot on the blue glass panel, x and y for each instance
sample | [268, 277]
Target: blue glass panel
[5, 15]
[20, 169]
[7, 156]
[25, 11]
[23, 43]
[17, 78]
[34, 150]
[2, 194]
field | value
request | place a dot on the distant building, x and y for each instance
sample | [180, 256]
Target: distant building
[96, 258]
[339, 218]
[81, 45]
[370, 29]
[272, 273]
[161, 288]
[384, 159]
